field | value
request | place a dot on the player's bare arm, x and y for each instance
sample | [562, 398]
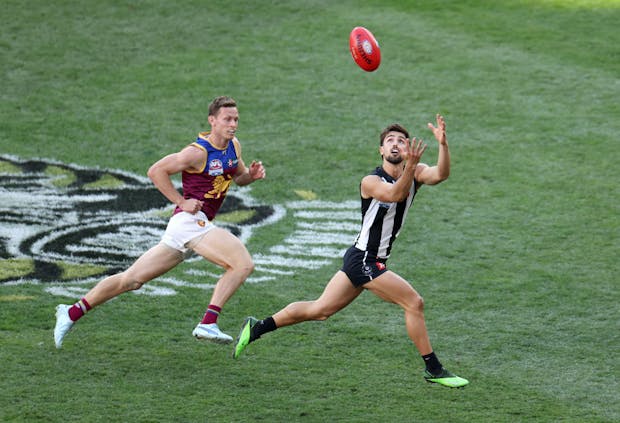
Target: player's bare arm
[432, 175]
[249, 174]
[246, 175]
[190, 158]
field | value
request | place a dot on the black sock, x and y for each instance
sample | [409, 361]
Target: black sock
[261, 327]
[432, 363]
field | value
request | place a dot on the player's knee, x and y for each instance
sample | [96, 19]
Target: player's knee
[419, 303]
[416, 304]
[249, 268]
[245, 268]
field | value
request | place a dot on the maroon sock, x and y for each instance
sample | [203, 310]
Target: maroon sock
[211, 315]
[79, 309]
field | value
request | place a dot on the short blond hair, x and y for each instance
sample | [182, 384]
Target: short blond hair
[219, 102]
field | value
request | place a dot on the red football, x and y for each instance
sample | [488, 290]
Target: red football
[364, 49]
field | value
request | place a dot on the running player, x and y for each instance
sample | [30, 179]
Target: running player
[208, 167]
[386, 195]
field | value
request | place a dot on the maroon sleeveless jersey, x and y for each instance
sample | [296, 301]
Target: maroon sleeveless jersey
[210, 183]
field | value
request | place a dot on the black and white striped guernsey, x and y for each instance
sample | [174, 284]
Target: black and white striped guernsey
[381, 222]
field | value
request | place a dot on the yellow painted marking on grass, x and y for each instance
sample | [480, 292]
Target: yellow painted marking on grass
[236, 216]
[306, 195]
[74, 271]
[105, 182]
[61, 177]
[9, 168]
[16, 297]
[14, 268]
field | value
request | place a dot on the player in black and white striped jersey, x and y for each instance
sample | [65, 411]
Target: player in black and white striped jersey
[386, 194]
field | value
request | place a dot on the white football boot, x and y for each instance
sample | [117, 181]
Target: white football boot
[63, 323]
[211, 333]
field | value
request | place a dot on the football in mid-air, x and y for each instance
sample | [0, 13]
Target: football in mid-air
[364, 49]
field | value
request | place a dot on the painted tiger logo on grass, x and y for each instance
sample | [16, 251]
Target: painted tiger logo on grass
[67, 226]
[61, 223]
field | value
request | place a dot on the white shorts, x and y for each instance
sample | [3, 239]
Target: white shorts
[184, 227]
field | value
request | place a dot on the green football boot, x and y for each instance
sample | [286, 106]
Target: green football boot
[446, 378]
[244, 336]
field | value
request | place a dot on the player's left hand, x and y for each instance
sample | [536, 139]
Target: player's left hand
[257, 170]
[440, 130]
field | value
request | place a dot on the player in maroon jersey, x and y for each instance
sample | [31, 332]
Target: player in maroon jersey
[208, 167]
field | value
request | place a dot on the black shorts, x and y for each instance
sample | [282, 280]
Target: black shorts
[361, 267]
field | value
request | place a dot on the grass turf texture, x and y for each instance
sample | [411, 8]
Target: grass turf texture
[516, 255]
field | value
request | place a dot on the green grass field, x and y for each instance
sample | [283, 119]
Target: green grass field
[516, 254]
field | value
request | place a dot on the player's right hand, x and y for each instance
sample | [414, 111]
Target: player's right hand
[191, 205]
[416, 149]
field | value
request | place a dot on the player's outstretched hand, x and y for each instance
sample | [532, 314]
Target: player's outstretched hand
[416, 149]
[440, 130]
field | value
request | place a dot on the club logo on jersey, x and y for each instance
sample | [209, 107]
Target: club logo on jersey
[216, 167]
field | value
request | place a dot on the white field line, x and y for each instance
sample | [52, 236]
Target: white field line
[289, 262]
[328, 215]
